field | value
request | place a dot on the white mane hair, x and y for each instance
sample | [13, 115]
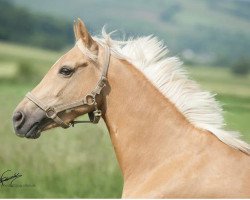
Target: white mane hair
[148, 55]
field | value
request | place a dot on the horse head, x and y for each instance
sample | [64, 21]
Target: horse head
[71, 88]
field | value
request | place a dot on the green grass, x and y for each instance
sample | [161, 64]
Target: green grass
[8, 69]
[221, 81]
[12, 52]
[80, 162]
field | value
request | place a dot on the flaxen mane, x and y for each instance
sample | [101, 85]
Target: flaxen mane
[148, 55]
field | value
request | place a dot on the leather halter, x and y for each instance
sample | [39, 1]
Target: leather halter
[89, 100]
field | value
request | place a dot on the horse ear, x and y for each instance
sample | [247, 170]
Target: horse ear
[81, 32]
[75, 31]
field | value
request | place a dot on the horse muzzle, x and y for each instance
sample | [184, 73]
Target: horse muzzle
[27, 125]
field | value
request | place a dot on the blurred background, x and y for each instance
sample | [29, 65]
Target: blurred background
[211, 37]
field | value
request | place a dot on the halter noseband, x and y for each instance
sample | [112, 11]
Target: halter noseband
[89, 100]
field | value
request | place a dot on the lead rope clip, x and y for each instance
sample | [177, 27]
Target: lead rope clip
[95, 115]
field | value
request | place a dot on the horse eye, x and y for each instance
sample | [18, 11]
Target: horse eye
[66, 71]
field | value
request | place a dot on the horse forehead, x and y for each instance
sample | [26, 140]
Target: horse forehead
[70, 58]
[74, 54]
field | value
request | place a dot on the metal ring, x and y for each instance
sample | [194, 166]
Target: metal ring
[50, 112]
[89, 96]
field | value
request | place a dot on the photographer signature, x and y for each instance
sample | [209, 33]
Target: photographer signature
[12, 177]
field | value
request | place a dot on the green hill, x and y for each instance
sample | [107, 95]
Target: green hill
[202, 31]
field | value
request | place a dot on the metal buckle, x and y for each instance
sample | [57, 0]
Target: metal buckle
[102, 82]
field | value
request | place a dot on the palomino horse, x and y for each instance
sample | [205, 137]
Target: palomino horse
[167, 133]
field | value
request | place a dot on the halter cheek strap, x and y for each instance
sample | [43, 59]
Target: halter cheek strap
[89, 100]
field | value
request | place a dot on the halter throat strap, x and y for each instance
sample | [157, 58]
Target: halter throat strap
[89, 100]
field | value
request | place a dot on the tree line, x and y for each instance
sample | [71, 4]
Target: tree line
[20, 25]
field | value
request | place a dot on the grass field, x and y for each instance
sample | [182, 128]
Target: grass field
[80, 162]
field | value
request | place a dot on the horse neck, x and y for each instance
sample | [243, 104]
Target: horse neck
[145, 128]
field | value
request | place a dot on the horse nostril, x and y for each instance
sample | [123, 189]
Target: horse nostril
[17, 116]
[18, 119]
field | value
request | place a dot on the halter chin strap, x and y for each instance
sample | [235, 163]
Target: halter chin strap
[88, 100]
